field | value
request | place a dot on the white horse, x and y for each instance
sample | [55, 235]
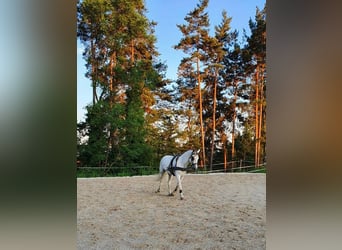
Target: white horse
[177, 165]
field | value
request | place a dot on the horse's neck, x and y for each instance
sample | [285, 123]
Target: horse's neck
[184, 158]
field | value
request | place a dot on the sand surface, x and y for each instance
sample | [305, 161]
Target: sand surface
[219, 211]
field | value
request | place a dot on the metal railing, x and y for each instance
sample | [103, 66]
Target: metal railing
[231, 167]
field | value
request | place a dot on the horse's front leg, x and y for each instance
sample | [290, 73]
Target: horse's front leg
[179, 184]
[181, 178]
[175, 189]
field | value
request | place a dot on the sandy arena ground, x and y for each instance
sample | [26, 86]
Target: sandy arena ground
[220, 211]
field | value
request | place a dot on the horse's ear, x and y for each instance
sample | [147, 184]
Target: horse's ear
[198, 151]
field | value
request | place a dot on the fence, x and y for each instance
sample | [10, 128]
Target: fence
[231, 167]
[247, 169]
[115, 171]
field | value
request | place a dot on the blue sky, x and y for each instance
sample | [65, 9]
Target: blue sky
[168, 14]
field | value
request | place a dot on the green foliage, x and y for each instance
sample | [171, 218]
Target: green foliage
[134, 148]
[101, 120]
[134, 119]
[119, 50]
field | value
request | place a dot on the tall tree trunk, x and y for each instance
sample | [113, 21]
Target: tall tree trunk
[224, 147]
[256, 118]
[234, 118]
[200, 111]
[132, 51]
[111, 78]
[261, 112]
[214, 123]
[225, 156]
[260, 126]
[93, 71]
[112, 133]
[190, 134]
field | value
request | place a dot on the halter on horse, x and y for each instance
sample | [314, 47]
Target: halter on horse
[176, 165]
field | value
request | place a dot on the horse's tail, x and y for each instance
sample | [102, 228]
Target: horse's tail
[159, 176]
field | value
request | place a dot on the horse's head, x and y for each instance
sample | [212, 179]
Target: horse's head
[194, 159]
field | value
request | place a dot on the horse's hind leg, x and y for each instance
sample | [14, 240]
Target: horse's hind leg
[181, 178]
[169, 185]
[161, 175]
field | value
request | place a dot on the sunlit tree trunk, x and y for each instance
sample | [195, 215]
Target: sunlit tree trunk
[214, 121]
[261, 103]
[132, 51]
[234, 120]
[93, 71]
[200, 111]
[256, 156]
[224, 145]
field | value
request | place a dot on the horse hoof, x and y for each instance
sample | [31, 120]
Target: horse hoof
[170, 194]
[182, 198]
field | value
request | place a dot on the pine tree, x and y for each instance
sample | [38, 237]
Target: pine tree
[235, 82]
[216, 54]
[134, 148]
[256, 48]
[120, 54]
[195, 32]
[91, 31]
[189, 102]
